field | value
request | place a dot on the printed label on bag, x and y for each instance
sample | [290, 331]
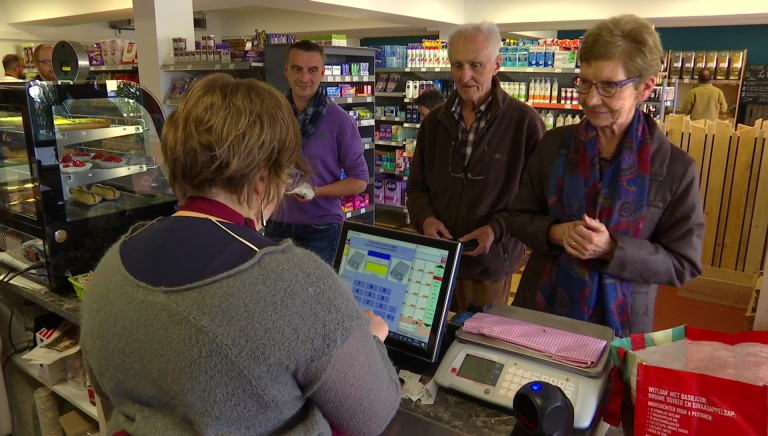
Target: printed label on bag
[675, 403]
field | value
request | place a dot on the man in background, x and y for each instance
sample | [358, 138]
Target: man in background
[468, 164]
[331, 143]
[428, 100]
[14, 68]
[705, 101]
[44, 63]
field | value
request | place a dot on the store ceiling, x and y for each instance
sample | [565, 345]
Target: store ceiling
[374, 18]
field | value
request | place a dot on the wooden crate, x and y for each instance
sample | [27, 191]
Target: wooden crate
[733, 179]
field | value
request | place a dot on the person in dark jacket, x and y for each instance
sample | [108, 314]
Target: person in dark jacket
[468, 164]
[609, 207]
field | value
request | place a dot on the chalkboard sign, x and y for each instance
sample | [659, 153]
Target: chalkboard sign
[754, 89]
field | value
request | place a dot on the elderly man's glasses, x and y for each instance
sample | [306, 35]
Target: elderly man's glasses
[604, 88]
[456, 166]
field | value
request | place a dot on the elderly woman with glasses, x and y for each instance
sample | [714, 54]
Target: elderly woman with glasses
[609, 207]
[197, 324]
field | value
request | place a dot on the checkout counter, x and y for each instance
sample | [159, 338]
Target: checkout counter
[452, 414]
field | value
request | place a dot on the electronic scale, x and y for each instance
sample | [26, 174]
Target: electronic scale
[493, 370]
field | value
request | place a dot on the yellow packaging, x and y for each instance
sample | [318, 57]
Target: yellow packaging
[688, 58]
[737, 62]
[700, 61]
[712, 61]
[723, 58]
[675, 64]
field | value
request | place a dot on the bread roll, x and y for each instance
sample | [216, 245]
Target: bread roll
[81, 195]
[106, 192]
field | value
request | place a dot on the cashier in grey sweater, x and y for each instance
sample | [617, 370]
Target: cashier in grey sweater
[198, 324]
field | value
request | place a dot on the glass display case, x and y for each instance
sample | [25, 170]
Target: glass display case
[79, 164]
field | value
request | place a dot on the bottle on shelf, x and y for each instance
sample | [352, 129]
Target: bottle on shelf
[546, 95]
[549, 121]
[531, 91]
[553, 98]
[576, 119]
[568, 120]
[560, 121]
[523, 92]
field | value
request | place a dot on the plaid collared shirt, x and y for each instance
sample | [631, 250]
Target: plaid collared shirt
[467, 136]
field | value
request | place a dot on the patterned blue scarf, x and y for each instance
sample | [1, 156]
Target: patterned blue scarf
[311, 117]
[576, 288]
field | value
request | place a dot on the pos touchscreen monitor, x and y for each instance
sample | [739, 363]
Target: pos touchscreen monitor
[405, 278]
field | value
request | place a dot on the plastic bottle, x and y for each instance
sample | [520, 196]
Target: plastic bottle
[576, 119]
[560, 121]
[555, 91]
[515, 90]
[547, 92]
[568, 120]
[549, 120]
[523, 92]
[531, 91]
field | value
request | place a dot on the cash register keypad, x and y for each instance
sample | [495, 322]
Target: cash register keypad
[516, 377]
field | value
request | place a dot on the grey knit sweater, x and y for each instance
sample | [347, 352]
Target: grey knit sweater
[275, 346]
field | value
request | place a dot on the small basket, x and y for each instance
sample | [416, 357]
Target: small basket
[80, 283]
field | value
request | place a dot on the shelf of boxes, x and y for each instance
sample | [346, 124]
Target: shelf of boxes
[555, 106]
[388, 207]
[75, 397]
[412, 125]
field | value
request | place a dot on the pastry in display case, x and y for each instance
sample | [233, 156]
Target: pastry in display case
[79, 164]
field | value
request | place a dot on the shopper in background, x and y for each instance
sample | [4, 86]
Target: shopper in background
[14, 68]
[331, 144]
[467, 167]
[186, 319]
[43, 55]
[428, 100]
[609, 207]
[705, 101]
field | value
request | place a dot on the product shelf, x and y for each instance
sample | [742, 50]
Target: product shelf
[391, 143]
[348, 100]
[542, 70]
[394, 119]
[337, 79]
[360, 211]
[364, 123]
[412, 125]
[77, 398]
[212, 66]
[391, 172]
[390, 94]
[390, 207]
[126, 67]
[555, 106]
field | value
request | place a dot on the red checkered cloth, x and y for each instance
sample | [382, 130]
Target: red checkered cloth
[560, 345]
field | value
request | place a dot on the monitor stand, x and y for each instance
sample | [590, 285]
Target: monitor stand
[410, 363]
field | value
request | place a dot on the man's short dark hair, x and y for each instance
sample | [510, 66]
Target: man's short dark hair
[430, 99]
[307, 46]
[705, 75]
[10, 61]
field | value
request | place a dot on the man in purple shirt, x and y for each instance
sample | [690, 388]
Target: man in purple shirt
[331, 143]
